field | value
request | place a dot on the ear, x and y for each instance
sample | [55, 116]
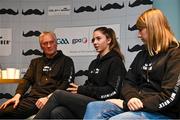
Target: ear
[109, 41]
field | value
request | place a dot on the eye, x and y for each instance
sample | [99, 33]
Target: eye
[45, 43]
[140, 30]
[98, 38]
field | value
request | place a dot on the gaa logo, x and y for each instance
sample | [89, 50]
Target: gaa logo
[80, 40]
[62, 41]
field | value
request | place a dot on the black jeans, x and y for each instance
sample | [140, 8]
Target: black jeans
[25, 108]
[64, 105]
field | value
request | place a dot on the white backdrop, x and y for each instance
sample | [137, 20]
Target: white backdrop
[76, 41]
[5, 41]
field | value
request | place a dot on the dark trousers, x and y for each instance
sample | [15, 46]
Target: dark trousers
[64, 105]
[25, 108]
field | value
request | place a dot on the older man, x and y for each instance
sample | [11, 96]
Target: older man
[45, 74]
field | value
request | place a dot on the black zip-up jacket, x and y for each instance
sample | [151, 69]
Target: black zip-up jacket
[104, 78]
[155, 80]
[46, 75]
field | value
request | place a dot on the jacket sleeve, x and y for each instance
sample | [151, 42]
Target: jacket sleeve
[170, 85]
[115, 75]
[28, 79]
[68, 73]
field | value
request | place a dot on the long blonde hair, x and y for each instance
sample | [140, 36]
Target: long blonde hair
[160, 36]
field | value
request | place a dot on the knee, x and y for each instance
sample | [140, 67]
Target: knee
[95, 104]
[54, 113]
[60, 113]
[57, 92]
[90, 105]
[60, 93]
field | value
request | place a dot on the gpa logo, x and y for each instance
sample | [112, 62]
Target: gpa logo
[80, 40]
[62, 41]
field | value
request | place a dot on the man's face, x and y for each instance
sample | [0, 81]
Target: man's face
[48, 45]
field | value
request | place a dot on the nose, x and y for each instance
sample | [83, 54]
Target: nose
[95, 41]
[49, 44]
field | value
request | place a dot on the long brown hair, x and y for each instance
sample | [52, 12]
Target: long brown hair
[160, 36]
[110, 34]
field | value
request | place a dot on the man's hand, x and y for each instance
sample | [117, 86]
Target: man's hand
[14, 100]
[117, 102]
[41, 102]
[73, 88]
[134, 104]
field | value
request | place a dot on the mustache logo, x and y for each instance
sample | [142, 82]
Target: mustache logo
[8, 11]
[81, 73]
[32, 52]
[139, 2]
[31, 33]
[83, 9]
[135, 48]
[132, 28]
[112, 6]
[6, 95]
[31, 11]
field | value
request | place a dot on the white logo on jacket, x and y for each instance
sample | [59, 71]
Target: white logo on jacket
[95, 71]
[147, 66]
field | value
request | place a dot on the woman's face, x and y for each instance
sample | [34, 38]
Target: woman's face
[143, 35]
[101, 43]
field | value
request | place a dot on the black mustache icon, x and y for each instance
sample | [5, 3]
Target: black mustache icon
[140, 2]
[132, 28]
[136, 48]
[31, 33]
[6, 95]
[81, 73]
[83, 9]
[31, 11]
[32, 52]
[111, 6]
[8, 11]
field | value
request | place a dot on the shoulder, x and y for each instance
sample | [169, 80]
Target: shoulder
[174, 51]
[37, 59]
[66, 58]
[114, 59]
[141, 54]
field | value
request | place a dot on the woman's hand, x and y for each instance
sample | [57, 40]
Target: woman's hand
[134, 104]
[73, 88]
[117, 102]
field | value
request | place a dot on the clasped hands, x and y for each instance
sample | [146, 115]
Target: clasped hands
[72, 88]
[133, 104]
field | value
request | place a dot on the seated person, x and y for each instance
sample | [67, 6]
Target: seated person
[105, 76]
[151, 87]
[45, 74]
